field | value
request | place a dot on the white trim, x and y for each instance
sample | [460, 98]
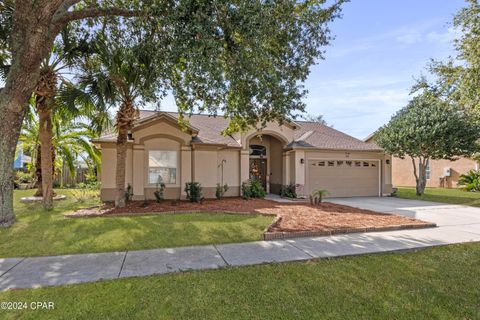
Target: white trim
[348, 159]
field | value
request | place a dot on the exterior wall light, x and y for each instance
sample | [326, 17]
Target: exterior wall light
[302, 161]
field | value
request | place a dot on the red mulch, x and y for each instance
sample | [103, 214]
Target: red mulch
[328, 217]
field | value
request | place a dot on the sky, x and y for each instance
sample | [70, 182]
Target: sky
[380, 47]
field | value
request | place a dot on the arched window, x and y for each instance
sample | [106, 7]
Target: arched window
[258, 150]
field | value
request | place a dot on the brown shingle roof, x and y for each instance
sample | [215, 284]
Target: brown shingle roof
[317, 135]
[308, 135]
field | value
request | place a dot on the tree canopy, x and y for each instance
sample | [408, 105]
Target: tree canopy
[428, 128]
[458, 78]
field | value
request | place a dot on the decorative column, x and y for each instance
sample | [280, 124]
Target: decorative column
[300, 164]
[138, 170]
[185, 168]
[244, 166]
[285, 169]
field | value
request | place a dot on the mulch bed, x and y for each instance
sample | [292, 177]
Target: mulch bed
[292, 219]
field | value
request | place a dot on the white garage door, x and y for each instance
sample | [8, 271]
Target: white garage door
[344, 178]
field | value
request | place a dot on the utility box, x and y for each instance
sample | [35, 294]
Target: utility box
[447, 172]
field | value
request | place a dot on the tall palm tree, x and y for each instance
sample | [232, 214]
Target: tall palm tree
[48, 98]
[121, 76]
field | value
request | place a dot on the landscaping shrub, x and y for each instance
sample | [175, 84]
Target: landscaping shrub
[317, 196]
[82, 195]
[159, 193]
[246, 193]
[128, 193]
[253, 189]
[221, 190]
[470, 181]
[289, 191]
[23, 177]
[193, 191]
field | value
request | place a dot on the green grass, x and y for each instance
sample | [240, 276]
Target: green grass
[455, 196]
[436, 283]
[38, 232]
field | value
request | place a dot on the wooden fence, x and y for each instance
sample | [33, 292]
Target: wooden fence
[65, 180]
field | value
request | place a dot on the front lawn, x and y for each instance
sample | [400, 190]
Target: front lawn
[455, 196]
[38, 232]
[436, 283]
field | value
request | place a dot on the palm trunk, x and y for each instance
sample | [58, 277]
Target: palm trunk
[45, 92]
[45, 135]
[125, 117]
[38, 172]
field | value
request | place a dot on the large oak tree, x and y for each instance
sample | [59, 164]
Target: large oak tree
[245, 59]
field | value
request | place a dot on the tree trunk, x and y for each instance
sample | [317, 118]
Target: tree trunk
[38, 172]
[10, 124]
[45, 92]
[32, 39]
[121, 166]
[421, 180]
[125, 117]
[45, 135]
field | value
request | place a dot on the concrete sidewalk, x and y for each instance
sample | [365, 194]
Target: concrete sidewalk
[457, 224]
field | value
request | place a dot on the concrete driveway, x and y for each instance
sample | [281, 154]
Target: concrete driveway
[445, 215]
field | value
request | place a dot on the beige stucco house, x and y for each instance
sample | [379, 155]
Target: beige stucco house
[308, 154]
[440, 173]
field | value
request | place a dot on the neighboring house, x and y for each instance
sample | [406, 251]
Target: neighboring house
[308, 154]
[22, 160]
[440, 173]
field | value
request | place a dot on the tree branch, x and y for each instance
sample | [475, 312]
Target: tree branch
[414, 168]
[68, 16]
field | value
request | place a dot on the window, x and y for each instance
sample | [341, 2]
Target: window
[427, 171]
[348, 163]
[331, 163]
[321, 164]
[162, 167]
[258, 150]
[339, 163]
[373, 164]
[358, 164]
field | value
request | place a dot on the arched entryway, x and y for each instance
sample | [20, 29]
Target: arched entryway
[266, 161]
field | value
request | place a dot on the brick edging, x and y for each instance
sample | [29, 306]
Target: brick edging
[298, 234]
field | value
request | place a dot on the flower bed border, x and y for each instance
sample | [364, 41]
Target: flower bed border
[299, 234]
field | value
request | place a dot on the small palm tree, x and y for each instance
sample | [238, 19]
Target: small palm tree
[317, 196]
[470, 181]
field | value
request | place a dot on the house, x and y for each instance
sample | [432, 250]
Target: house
[308, 154]
[440, 173]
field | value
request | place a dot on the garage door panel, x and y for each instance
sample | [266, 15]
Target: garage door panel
[342, 180]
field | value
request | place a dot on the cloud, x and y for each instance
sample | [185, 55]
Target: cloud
[443, 37]
[410, 38]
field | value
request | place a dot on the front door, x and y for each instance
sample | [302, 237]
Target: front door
[258, 171]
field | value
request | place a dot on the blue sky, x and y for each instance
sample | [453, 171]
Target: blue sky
[380, 46]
